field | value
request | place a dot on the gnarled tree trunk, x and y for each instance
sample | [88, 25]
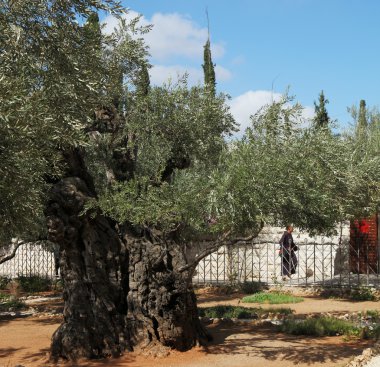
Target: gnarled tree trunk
[162, 306]
[121, 290]
[94, 270]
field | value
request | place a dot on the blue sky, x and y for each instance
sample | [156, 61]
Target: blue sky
[261, 47]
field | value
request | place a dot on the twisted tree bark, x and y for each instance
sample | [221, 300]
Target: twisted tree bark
[94, 270]
[161, 302]
[122, 290]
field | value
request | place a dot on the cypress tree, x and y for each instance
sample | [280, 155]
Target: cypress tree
[93, 31]
[362, 117]
[143, 81]
[321, 119]
[208, 68]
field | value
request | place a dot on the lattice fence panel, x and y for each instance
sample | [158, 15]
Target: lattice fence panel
[30, 260]
[319, 263]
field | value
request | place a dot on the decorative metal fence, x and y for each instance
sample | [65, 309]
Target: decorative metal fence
[322, 264]
[325, 264]
[30, 260]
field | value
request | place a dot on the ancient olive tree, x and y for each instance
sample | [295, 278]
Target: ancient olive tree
[53, 79]
[137, 182]
[122, 284]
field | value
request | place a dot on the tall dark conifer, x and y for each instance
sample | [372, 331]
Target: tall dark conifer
[321, 119]
[143, 81]
[208, 66]
[362, 117]
[92, 28]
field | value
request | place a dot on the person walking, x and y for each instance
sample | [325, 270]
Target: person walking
[287, 252]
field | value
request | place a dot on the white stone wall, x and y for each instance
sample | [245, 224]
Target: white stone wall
[320, 259]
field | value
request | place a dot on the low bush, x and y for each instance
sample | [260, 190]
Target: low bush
[271, 298]
[239, 312]
[4, 297]
[362, 294]
[321, 326]
[374, 314]
[34, 284]
[4, 281]
[12, 305]
[250, 287]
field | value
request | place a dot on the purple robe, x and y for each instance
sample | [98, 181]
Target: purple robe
[288, 256]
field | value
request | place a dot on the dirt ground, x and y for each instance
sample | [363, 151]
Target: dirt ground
[25, 341]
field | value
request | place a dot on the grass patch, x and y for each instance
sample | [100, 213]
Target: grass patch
[321, 326]
[239, 312]
[271, 298]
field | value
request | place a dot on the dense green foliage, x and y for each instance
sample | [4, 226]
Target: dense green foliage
[271, 298]
[64, 84]
[49, 87]
[278, 173]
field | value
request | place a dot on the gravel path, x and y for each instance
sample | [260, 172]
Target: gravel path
[374, 362]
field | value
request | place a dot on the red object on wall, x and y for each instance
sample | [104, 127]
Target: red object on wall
[364, 245]
[364, 226]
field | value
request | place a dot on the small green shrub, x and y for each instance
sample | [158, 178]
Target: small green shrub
[375, 333]
[34, 284]
[4, 297]
[271, 298]
[12, 305]
[362, 294]
[4, 281]
[374, 314]
[322, 326]
[239, 312]
[250, 287]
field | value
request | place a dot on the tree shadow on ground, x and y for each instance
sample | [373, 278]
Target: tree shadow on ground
[43, 355]
[253, 341]
[7, 352]
[56, 319]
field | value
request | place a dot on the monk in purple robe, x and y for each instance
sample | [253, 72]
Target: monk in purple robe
[287, 252]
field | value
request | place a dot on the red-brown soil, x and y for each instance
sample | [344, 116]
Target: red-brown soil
[26, 341]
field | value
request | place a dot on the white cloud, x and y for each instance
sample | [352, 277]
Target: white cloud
[222, 74]
[176, 35]
[173, 34]
[247, 104]
[160, 74]
[238, 60]
[308, 112]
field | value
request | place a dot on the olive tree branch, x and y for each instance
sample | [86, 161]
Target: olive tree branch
[221, 241]
[13, 248]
